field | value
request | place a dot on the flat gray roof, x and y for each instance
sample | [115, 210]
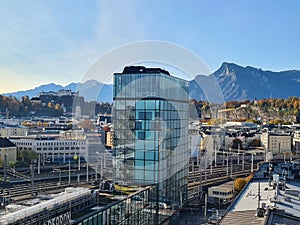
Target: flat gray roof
[249, 199]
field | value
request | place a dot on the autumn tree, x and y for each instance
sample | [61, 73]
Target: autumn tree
[247, 179]
[276, 121]
[239, 183]
[214, 122]
[50, 105]
[296, 105]
[106, 128]
[278, 102]
[57, 107]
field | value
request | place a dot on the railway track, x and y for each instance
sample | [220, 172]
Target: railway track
[202, 179]
[216, 172]
[217, 179]
[19, 192]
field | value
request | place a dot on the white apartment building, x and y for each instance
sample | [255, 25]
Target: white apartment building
[277, 143]
[53, 149]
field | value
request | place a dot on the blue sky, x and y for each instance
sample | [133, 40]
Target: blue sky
[57, 41]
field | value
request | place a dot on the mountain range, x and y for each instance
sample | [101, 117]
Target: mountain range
[234, 82]
[229, 82]
[91, 90]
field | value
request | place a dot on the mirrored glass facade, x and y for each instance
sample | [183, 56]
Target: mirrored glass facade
[150, 118]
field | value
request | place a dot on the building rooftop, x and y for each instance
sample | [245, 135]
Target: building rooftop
[288, 199]
[142, 69]
[247, 217]
[268, 201]
[225, 186]
[249, 199]
[5, 143]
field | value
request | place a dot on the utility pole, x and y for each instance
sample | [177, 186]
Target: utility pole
[5, 168]
[205, 169]
[227, 172]
[69, 172]
[101, 172]
[200, 173]
[32, 179]
[39, 163]
[231, 165]
[96, 170]
[205, 208]
[252, 163]
[79, 161]
[59, 177]
[215, 148]
[243, 165]
[259, 196]
[238, 159]
[87, 172]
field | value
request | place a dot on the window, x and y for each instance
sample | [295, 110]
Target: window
[138, 125]
[141, 135]
[145, 115]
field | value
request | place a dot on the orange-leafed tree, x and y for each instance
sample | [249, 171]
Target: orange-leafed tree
[57, 107]
[50, 105]
[106, 128]
[247, 179]
[239, 183]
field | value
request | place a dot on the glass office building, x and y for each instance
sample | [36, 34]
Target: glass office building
[150, 118]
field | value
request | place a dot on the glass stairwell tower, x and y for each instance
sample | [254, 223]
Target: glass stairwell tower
[150, 121]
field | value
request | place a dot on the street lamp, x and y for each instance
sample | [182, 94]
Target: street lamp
[243, 165]
[59, 177]
[238, 159]
[101, 166]
[252, 162]
[227, 164]
[69, 172]
[39, 163]
[32, 179]
[77, 157]
[231, 162]
[215, 149]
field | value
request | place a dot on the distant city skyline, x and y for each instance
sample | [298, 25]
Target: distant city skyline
[57, 41]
